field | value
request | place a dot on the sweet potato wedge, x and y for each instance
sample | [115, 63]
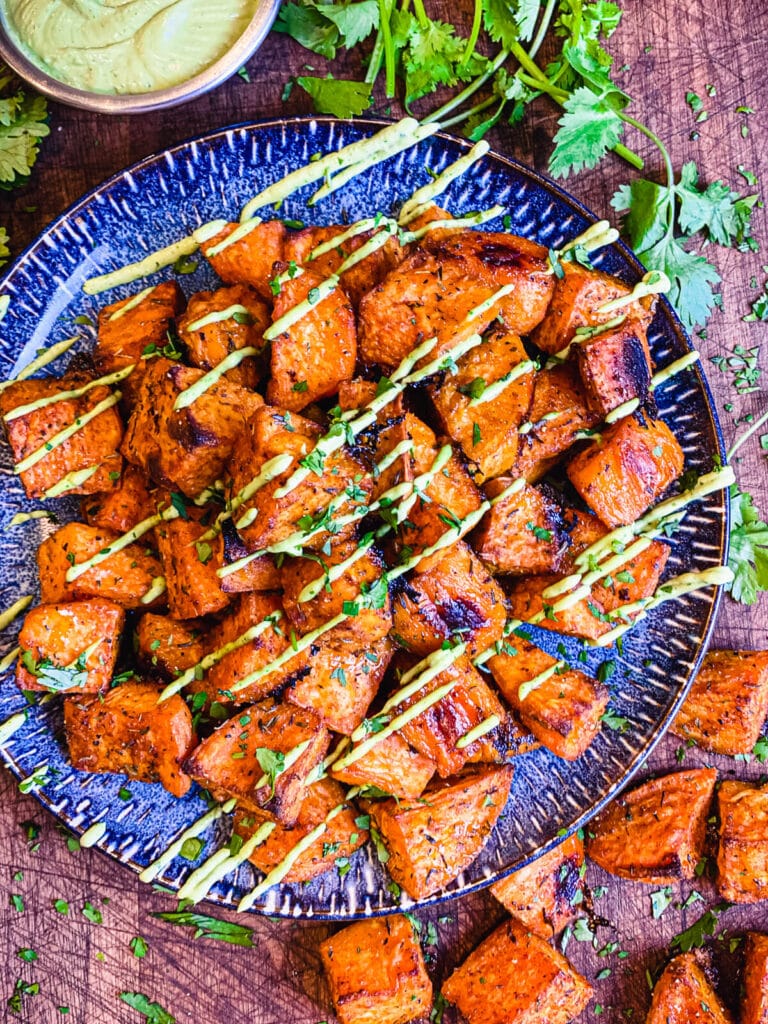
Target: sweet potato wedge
[754, 1002]
[543, 894]
[523, 533]
[727, 705]
[683, 995]
[742, 856]
[71, 647]
[189, 567]
[615, 367]
[655, 832]
[514, 977]
[124, 506]
[127, 731]
[166, 647]
[432, 840]
[392, 766]
[376, 972]
[250, 259]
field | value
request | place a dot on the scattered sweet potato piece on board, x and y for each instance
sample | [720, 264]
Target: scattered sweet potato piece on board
[683, 995]
[742, 856]
[392, 766]
[167, 647]
[124, 506]
[754, 1003]
[524, 533]
[209, 344]
[249, 260]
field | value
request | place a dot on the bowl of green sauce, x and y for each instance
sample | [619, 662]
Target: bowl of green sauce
[130, 56]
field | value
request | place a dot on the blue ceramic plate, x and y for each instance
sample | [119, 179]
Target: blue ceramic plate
[163, 198]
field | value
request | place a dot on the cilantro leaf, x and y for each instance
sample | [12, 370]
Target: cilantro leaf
[207, 927]
[691, 275]
[272, 763]
[507, 21]
[434, 57]
[337, 96]
[589, 127]
[693, 937]
[153, 1012]
[355, 21]
[748, 554]
[723, 215]
[5, 252]
[305, 24]
[22, 126]
[645, 206]
[660, 900]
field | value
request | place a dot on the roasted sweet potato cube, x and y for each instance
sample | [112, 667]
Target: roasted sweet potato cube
[189, 566]
[127, 731]
[456, 597]
[584, 529]
[258, 575]
[392, 766]
[250, 259]
[339, 841]
[432, 840]
[576, 302]
[637, 578]
[507, 741]
[562, 711]
[387, 434]
[95, 443]
[514, 977]
[524, 532]
[124, 506]
[620, 475]
[742, 856]
[727, 705]
[209, 338]
[486, 428]
[229, 762]
[124, 577]
[683, 995]
[754, 1002]
[615, 367]
[376, 972]
[655, 832]
[167, 647]
[69, 647]
[543, 894]
[585, 618]
[185, 450]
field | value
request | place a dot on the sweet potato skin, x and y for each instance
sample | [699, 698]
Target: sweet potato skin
[754, 1003]
[514, 977]
[208, 345]
[655, 832]
[376, 972]
[523, 533]
[190, 568]
[127, 731]
[251, 259]
[393, 766]
[682, 995]
[742, 856]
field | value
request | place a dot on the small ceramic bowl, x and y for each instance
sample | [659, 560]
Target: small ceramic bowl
[139, 103]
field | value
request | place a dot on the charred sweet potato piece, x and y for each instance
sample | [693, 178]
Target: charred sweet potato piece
[95, 443]
[637, 578]
[507, 741]
[376, 972]
[431, 293]
[250, 259]
[166, 647]
[542, 895]
[432, 840]
[124, 577]
[754, 1003]
[392, 766]
[316, 353]
[259, 574]
[486, 429]
[185, 450]
[208, 343]
[563, 711]
[227, 761]
[69, 647]
[683, 995]
[524, 532]
[620, 475]
[655, 832]
[387, 434]
[339, 841]
[189, 566]
[615, 367]
[456, 597]
[585, 618]
[514, 977]
[127, 731]
[124, 506]
[727, 705]
[742, 856]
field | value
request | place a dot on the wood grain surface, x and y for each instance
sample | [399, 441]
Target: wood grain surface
[668, 48]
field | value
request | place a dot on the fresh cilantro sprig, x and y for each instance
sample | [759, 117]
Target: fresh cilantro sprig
[151, 1011]
[207, 927]
[694, 937]
[748, 553]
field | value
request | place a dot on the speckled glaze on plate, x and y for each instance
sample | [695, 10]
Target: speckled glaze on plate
[163, 198]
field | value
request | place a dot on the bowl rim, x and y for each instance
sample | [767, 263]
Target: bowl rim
[141, 103]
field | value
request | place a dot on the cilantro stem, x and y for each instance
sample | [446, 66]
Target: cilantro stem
[377, 56]
[747, 434]
[466, 93]
[385, 13]
[421, 15]
[668, 170]
[474, 35]
[538, 39]
[468, 113]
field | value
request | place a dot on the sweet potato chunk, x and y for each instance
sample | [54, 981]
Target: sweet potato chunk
[316, 353]
[209, 343]
[124, 577]
[432, 840]
[655, 832]
[259, 574]
[166, 647]
[189, 566]
[95, 443]
[754, 1003]
[69, 647]
[637, 578]
[514, 977]
[227, 761]
[127, 731]
[727, 705]
[339, 841]
[250, 259]
[124, 506]
[585, 618]
[742, 857]
[524, 532]
[392, 766]
[683, 995]
[376, 972]
[615, 367]
[620, 475]
[543, 894]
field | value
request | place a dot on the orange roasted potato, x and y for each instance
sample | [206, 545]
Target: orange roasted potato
[742, 856]
[683, 995]
[250, 259]
[524, 532]
[257, 575]
[655, 832]
[433, 839]
[124, 506]
[754, 1002]
[189, 567]
[69, 647]
[543, 894]
[623, 472]
[727, 705]
[166, 647]
[392, 766]
[376, 972]
[514, 977]
[127, 731]
[585, 618]
[615, 367]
